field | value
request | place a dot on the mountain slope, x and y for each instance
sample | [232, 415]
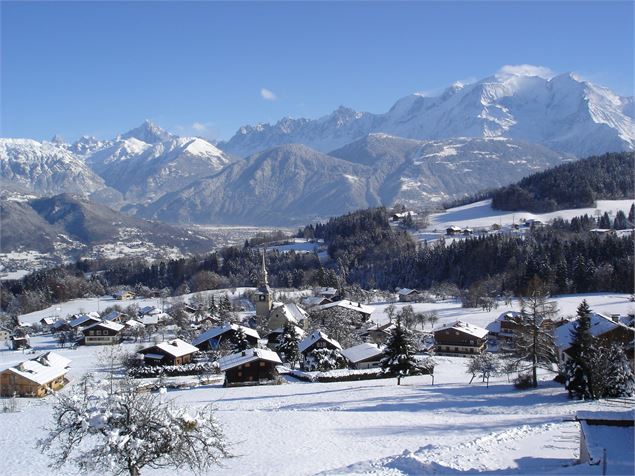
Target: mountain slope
[287, 184]
[69, 224]
[564, 113]
[44, 168]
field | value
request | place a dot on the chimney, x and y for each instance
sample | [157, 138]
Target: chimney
[615, 317]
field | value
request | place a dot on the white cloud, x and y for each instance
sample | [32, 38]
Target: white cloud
[199, 127]
[268, 95]
[526, 70]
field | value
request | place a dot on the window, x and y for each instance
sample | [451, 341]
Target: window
[240, 374]
[262, 298]
[247, 365]
[262, 364]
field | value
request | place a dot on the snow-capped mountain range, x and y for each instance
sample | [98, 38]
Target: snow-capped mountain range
[563, 113]
[424, 149]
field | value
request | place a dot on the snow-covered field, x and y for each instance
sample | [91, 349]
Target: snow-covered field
[369, 427]
[481, 214]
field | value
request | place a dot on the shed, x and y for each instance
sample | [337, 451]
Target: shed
[364, 356]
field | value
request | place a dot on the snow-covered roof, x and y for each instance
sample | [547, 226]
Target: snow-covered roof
[327, 291]
[82, 319]
[314, 337]
[361, 352]
[47, 321]
[292, 312]
[313, 300]
[471, 329]
[219, 330]
[113, 326]
[149, 310]
[406, 291]
[150, 319]
[606, 415]
[111, 315]
[133, 323]
[174, 347]
[495, 326]
[597, 437]
[352, 305]
[600, 324]
[249, 355]
[42, 369]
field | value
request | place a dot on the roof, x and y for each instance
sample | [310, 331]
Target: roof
[111, 315]
[327, 291]
[314, 337]
[617, 439]
[314, 300]
[625, 415]
[48, 320]
[406, 291]
[82, 319]
[600, 324]
[249, 355]
[461, 326]
[42, 369]
[149, 310]
[495, 326]
[362, 352]
[113, 326]
[133, 323]
[174, 347]
[219, 330]
[292, 312]
[352, 305]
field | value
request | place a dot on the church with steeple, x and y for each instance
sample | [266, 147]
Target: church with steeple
[263, 296]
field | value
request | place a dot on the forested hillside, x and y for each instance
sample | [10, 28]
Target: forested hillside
[573, 185]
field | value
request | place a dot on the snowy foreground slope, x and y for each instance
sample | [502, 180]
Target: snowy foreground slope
[369, 427]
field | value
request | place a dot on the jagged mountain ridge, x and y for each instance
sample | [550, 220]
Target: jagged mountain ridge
[563, 113]
[294, 184]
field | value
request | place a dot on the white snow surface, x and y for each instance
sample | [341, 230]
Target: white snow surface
[370, 427]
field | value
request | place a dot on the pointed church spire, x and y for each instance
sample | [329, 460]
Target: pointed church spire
[264, 278]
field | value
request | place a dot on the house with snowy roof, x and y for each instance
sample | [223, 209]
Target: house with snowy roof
[311, 301]
[317, 340]
[378, 333]
[36, 377]
[364, 356]
[284, 314]
[364, 312]
[115, 316]
[81, 321]
[103, 333]
[460, 338]
[214, 337]
[604, 329]
[250, 367]
[123, 294]
[608, 435]
[171, 352]
[509, 323]
[326, 292]
[408, 295]
[47, 322]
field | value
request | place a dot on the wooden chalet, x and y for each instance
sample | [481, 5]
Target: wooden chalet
[317, 340]
[453, 230]
[460, 338]
[364, 356]
[250, 367]
[408, 295]
[172, 352]
[103, 333]
[36, 377]
[509, 323]
[123, 295]
[212, 338]
[81, 321]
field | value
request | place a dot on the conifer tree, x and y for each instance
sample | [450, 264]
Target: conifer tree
[399, 354]
[288, 347]
[239, 341]
[631, 214]
[578, 380]
[612, 374]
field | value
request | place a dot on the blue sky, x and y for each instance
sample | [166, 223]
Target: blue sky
[206, 68]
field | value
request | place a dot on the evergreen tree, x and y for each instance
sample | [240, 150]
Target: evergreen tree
[631, 214]
[620, 222]
[578, 379]
[399, 353]
[239, 341]
[288, 347]
[605, 221]
[323, 360]
[613, 373]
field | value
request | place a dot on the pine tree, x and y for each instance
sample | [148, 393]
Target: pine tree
[620, 222]
[578, 379]
[616, 375]
[239, 341]
[288, 347]
[605, 221]
[399, 353]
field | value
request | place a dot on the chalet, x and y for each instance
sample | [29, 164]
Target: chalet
[363, 356]
[123, 295]
[607, 434]
[250, 367]
[402, 215]
[214, 337]
[81, 321]
[408, 295]
[20, 340]
[317, 340]
[60, 325]
[379, 333]
[284, 314]
[172, 352]
[363, 310]
[35, 378]
[47, 322]
[115, 316]
[133, 324]
[311, 301]
[103, 333]
[605, 330]
[453, 230]
[467, 231]
[149, 311]
[507, 325]
[328, 293]
[460, 338]
[273, 338]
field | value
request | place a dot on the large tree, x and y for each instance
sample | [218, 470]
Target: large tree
[125, 431]
[578, 375]
[289, 341]
[399, 353]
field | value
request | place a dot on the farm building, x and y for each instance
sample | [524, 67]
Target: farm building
[250, 367]
[36, 377]
[408, 295]
[363, 356]
[172, 352]
[460, 338]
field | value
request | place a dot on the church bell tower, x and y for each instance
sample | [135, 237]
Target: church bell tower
[264, 296]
